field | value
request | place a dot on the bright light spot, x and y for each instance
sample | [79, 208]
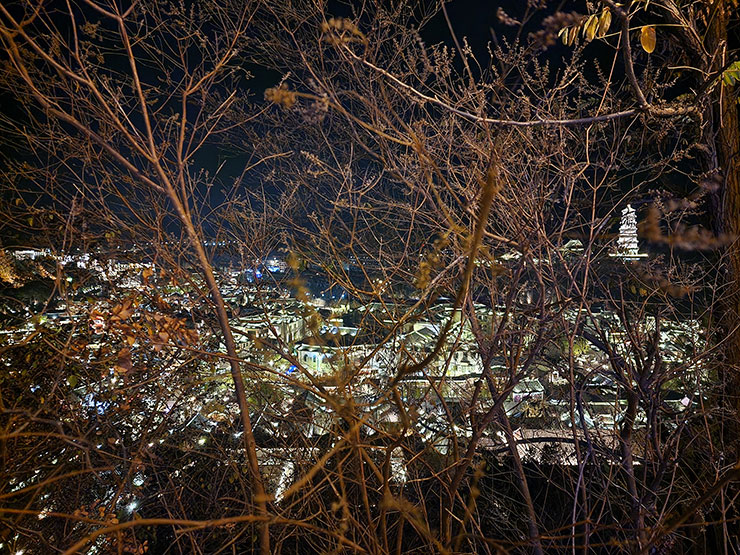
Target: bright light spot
[202, 441]
[131, 507]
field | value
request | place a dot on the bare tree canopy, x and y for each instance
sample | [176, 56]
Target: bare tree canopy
[383, 277]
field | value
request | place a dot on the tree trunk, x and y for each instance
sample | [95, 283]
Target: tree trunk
[727, 149]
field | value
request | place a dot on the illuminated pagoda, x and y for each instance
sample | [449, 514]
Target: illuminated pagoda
[628, 247]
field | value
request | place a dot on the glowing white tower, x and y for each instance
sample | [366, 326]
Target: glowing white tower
[628, 247]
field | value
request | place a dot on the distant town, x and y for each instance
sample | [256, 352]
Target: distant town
[294, 328]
